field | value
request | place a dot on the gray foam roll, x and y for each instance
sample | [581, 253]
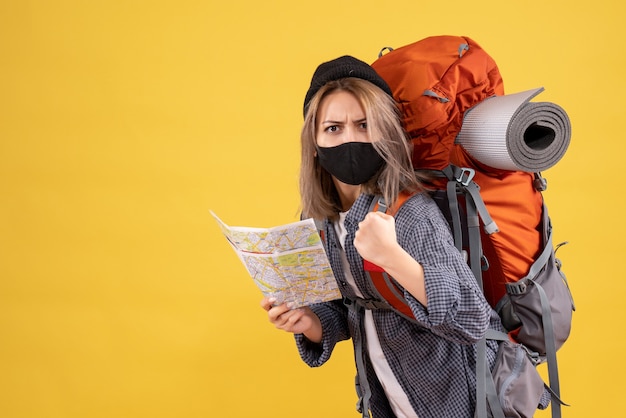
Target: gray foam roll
[511, 133]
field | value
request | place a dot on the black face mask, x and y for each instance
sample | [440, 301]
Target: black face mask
[351, 163]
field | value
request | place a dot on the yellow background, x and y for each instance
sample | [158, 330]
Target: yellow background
[123, 122]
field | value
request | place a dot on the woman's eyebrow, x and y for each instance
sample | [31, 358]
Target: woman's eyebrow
[340, 122]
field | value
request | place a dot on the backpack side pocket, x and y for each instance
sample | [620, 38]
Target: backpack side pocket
[519, 386]
[538, 308]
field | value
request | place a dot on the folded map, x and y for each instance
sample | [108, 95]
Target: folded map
[287, 262]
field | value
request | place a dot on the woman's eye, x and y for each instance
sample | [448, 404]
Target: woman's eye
[333, 128]
[363, 125]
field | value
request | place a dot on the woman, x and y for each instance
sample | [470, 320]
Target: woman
[353, 149]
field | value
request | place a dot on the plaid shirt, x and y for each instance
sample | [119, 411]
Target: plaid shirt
[434, 360]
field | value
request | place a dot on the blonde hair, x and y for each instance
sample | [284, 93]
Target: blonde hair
[319, 197]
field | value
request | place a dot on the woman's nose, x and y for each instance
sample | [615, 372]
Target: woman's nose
[351, 135]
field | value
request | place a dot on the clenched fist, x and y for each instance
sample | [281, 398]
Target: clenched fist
[375, 240]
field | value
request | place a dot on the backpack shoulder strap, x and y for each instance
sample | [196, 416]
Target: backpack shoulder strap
[379, 204]
[387, 289]
[466, 232]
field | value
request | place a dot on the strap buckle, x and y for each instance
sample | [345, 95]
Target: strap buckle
[465, 175]
[539, 183]
[371, 304]
[517, 288]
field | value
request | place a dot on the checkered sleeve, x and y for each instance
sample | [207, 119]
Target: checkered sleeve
[333, 316]
[457, 309]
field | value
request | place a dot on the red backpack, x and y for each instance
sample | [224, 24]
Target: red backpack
[435, 81]
[498, 217]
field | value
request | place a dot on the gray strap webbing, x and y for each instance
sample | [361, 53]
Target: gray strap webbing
[362, 385]
[481, 379]
[453, 206]
[372, 304]
[548, 333]
[475, 246]
[492, 397]
[431, 93]
[382, 206]
[462, 48]
[539, 183]
[554, 395]
[542, 260]
[464, 176]
[363, 404]
[474, 205]
[319, 224]
[490, 225]
[493, 334]
[486, 392]
[546, 318]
